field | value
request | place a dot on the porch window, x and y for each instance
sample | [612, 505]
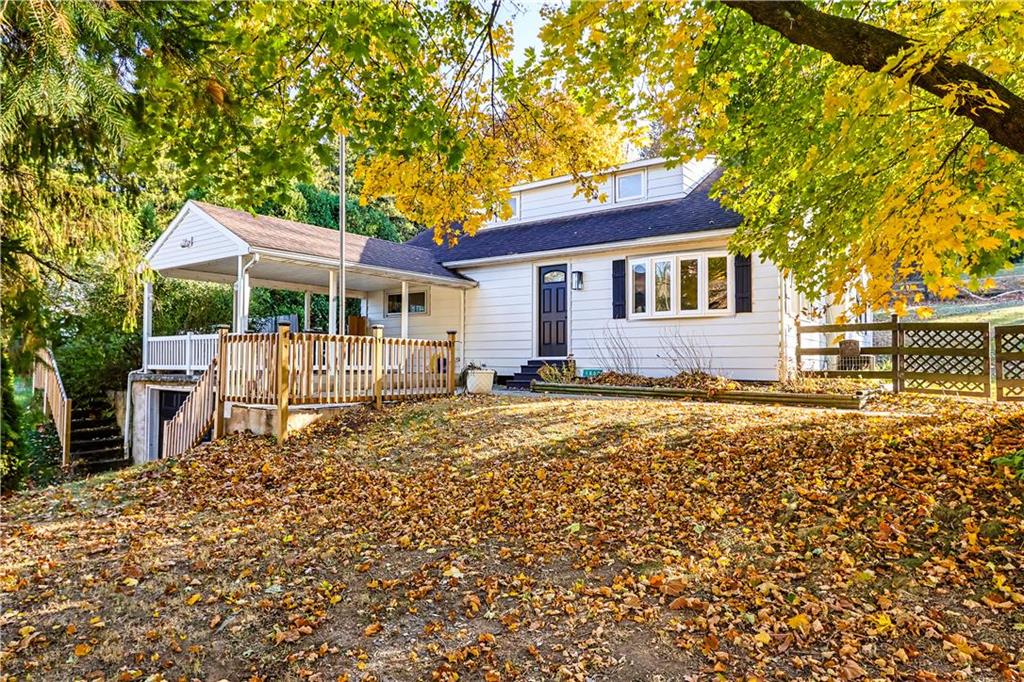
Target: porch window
[682, 285]
[417, 302]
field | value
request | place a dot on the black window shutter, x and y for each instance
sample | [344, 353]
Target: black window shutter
[744, 284]
[619, 289]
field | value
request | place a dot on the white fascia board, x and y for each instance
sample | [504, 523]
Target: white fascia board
[593, 248]
[391, 273]
[189, 207]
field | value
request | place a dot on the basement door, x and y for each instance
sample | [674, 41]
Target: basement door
[553, 311]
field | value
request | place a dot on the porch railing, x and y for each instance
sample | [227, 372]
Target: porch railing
[189, 352]
[285, 368]
[46, 376]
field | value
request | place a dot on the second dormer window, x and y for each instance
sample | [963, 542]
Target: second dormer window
[629, 186]
[513, 204]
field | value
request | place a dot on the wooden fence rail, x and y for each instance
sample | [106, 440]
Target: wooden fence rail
[285, 368]
[924, 357]
[194, 419]
[46, 376]
[1010, 362]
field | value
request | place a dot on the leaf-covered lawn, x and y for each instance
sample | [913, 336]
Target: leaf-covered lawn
[500, 538]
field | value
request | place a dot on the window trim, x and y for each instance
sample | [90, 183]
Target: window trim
[643, 185]
[412, 290]
[702, 310]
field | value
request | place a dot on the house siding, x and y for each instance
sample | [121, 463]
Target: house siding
[501, 318]
[209, 242]
[560, 199]
[444, 314]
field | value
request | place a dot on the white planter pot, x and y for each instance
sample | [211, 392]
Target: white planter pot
[479, 381]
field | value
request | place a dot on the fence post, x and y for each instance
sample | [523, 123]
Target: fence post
[283, 380]
[378, 374]
[451, 362]
[799, 357]
[220, 365]
[897, 360]
[986, 345]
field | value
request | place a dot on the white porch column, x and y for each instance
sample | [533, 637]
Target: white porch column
[236, 304]
[405, 309]
[307, 304]
[147, 321]
[246, 296]
[332, 317]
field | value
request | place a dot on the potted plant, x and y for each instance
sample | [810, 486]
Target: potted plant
[478, 379]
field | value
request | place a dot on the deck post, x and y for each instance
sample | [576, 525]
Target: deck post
[378, 373]
[283, 380]
[147, 322]
[220, 365]
[307, 307]
[451, 362]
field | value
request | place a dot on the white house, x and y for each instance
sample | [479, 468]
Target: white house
[635, 282]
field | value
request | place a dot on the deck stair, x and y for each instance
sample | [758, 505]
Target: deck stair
[96, 440]
[530, 372]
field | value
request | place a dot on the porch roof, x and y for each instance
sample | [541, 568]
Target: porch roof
[204, 242]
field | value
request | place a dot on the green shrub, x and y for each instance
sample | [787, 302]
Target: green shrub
[1013, 462]
[12, 454]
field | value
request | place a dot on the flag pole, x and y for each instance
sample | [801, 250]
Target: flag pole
[341, 234]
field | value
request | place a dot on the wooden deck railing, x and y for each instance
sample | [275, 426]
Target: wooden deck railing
[194, 418]
[46, 376]
[283, 369]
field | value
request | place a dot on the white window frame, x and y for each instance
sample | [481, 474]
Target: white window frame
[412, 290]
[518, 198]
[647, 292]
[673, 303]
[702, 285]
[643, 185]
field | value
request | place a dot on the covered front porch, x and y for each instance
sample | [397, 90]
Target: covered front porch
[396, 286]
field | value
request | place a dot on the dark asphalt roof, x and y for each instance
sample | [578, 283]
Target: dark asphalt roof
[696, 212]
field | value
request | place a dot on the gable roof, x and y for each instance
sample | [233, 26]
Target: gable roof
[262, 232]
[696, 212]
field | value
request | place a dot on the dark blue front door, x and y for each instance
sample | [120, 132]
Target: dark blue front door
[553, 311]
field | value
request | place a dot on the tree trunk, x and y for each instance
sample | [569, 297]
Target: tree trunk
[856, 43]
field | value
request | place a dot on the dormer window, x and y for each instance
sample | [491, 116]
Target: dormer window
[630, 186]
[513, 204]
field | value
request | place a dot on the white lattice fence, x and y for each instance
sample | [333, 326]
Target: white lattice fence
[945, 357]
[1010, 362]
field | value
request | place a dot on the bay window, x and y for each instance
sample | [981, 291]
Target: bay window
[663, 286]
[639, 288]
[681, 285]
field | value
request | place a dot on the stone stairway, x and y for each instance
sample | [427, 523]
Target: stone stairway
[96, 440]
[530, 372]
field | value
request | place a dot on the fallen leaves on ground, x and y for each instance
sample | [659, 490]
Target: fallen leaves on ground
[501, 538]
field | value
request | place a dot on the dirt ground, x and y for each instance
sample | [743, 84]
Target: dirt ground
[512, 538]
